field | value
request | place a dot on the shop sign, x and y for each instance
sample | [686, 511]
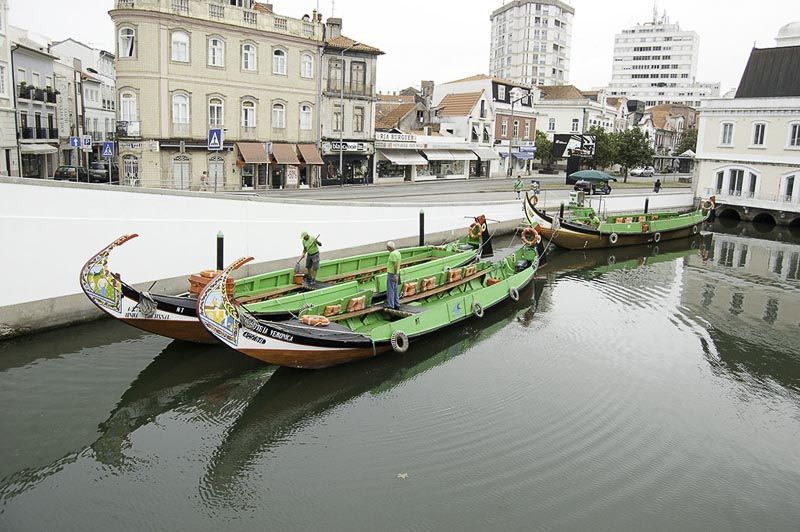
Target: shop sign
[357, 147]
[395, 137]
[386, 145]
[292, 175]
[130, 146]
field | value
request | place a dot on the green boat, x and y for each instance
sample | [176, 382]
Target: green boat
[353, 328]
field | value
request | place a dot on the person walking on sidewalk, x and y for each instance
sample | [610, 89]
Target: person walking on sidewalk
[657, 186]
[519, 186]
[392, 276]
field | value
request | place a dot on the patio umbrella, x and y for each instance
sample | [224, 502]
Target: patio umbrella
[593, 176]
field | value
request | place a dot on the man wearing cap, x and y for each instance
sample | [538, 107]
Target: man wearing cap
[392, 276]
[311, 252]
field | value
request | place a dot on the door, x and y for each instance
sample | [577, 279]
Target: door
[216, 172]
[182, 179]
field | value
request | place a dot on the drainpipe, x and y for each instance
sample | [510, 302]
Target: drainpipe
[16, 114]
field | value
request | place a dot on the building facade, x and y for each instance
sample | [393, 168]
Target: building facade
[665, 125]
[748, 147]
[185, 68]
[531, 41]
[9, 154]
[563, 109]
[348, 107]
[656, 62]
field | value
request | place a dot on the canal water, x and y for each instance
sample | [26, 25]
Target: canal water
[652, 387]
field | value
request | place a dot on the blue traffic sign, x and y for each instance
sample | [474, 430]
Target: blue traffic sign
[75, 142]
[108, 149]
[215, 139]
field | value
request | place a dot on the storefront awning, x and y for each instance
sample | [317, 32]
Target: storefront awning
[37, 149]
[524, 156]
[487, 154]
[310, 154]
[464, 155]
[404, 157]
[285, 154]
[439, 155]
[253, 152]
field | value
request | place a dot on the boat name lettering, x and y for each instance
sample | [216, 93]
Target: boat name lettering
[253, 337]
[282, 336]
[138, 315]
[257, 327]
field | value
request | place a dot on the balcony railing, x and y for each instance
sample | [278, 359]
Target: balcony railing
[38, 95]
[250, 17]
[352, 89]
[41, 133]
[52, 96]
[180, 6]
[53, 132]
[281, 23]
[26, 132]
[25, 92]
[216, 10]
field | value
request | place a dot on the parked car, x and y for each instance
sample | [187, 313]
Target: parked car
[71, 173]
[593, 187]
[643, 171]
[98, 172]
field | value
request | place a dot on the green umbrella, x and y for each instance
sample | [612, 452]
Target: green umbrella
[593, 176]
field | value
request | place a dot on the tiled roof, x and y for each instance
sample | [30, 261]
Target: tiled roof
[395, 98]
[342, 43]
[660, 113]
[459, 104]
[561, 92]
[393, 115]
[615, 101]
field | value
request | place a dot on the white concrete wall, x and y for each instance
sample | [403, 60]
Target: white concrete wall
[48, 230]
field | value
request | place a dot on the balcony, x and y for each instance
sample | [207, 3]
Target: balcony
[38, 95]
[26, 133]
[364, 90]
[250, 17]
[180, 6]
[25, 92]
[41, 133]
[777, 202]
[52, 96]
[53, 132]
[216, 11]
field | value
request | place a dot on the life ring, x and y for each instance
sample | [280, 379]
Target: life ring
[656, 251]
[707, 205]
[399, 342]
[694, 229]
[513, 293]
[530, 236]
[613, 238]
[535, 200]
[315, 321]
[477, 309]
[657, 238]
[471, 231]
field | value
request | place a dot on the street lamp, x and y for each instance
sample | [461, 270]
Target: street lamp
[341, 123]
[527, 93]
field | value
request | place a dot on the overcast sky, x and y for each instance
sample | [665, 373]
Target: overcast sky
[444, 40]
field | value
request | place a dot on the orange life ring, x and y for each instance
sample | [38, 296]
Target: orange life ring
[471, 231]
[530, 236]
[315, 321]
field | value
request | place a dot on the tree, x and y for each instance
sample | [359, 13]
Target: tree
[544, 148]
[605, 147]
[633, 149]
[688, 142]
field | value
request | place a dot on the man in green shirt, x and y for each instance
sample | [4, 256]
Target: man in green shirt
[519, 186]
[392, 276]
[311, 249]
[594, 221]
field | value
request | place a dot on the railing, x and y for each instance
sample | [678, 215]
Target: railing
[180, 6]
[53, 132]
[123, 4]
[52, 97]
[25, 92]
[38, 95]
[351, 89]
[41, 133]
[250, 17]
[281, 23]
[26, 132]
[216, 10]
[308, 29]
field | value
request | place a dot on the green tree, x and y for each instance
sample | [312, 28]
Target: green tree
[544, 148]
[605, 149]
[688, 141]
[633, 149]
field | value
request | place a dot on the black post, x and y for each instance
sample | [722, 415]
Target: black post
[561, 211]
[220, 251]
[646, 205]
[421, 227]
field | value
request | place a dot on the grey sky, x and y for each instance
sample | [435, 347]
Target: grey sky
[448, 39]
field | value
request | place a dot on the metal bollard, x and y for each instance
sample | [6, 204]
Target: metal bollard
[422, 227]
[646, 205]
[561, 211]
[220, 251]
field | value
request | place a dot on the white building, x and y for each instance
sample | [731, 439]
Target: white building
[531, 41]
[656, 62]
[563, 109]
[9, 163]
[748, 147]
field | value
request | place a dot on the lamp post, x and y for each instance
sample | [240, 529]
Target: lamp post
[341, 123]
[511, 139]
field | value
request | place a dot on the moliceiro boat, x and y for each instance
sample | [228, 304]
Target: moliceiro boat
[275, 295]
[345, 330]
[631, 229]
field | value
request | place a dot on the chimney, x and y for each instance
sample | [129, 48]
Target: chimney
[333, 28]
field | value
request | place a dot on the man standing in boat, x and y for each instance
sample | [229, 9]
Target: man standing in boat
[594, 221]
[311, 252]
[392, 276]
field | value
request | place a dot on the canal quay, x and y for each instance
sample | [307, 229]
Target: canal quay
[656, 384]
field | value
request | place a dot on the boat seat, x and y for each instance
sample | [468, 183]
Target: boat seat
[409, 289]
[619, 220]
[629, 220]
[470, 270]
[428, 283]
[453, 276]
[356, 304]
[332, 310]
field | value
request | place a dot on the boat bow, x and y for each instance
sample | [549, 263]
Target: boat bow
[102, 286]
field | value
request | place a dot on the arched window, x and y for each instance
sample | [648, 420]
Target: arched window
[278, 116]
[215, 112]
[248, 114]
[249, 57]
[180, 46]
[279, 62]
[305, 117]
[216, 52]
[128, 110]
[180, 108]
[307, 66]
[127, 42]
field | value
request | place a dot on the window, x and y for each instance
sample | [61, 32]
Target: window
[338, 118]
[278, 116]
[551, 125]
[180, 47]
[575, 124]
[501, 92]
[279, 62]
[128, 111]
[504, 129]
[216, 52]
[36, 80]
[307, 66]
[758, 134]
[516, 129]
[127, 42]
[248, 114]
[753, 183]
[735, 182]
[527, 129]
[727, 134]
[249, 58]
[48, 82]
[720, 180]
[358, 119]
[334, 75]
[305, 117]
[180, 109]
[794, 135]
[215, 112]
[358, 77]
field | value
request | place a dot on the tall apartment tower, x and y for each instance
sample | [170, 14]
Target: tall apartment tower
[656, 62]
[531, 41]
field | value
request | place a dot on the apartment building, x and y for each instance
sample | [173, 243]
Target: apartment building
[9, 154]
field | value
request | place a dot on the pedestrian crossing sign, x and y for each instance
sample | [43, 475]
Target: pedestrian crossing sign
[108, 150]
[215, 139]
